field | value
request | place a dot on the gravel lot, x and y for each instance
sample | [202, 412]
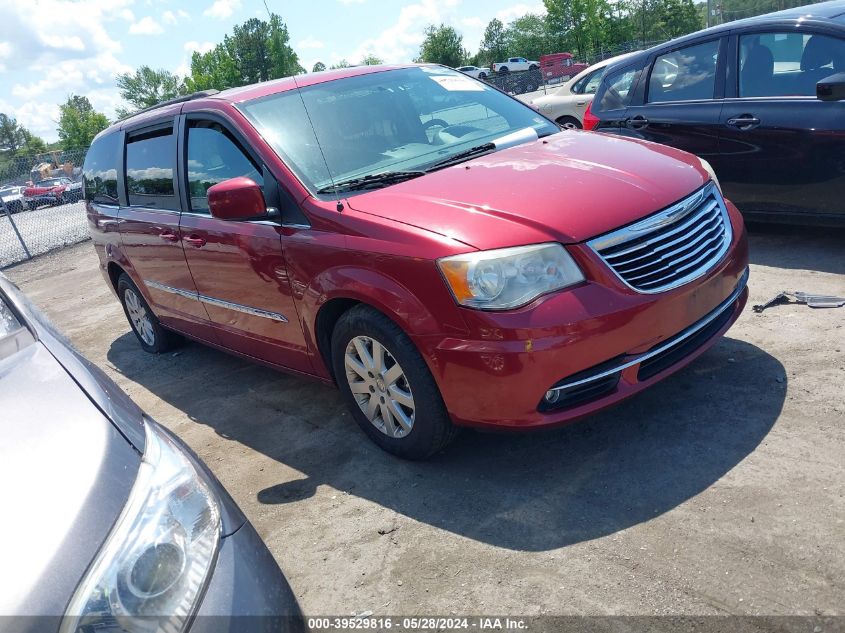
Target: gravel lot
[43, 230]
[719, 491]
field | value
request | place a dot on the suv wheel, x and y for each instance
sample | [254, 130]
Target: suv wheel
[387, 385]
[152, 337]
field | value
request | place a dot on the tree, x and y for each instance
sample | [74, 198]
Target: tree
[147, 87]
[677, 17]
[493, 46]
[371, 60]
[318, 67]
[527, 37]
[341, 64]
[257, 50]
[442, 45]
[79, 123]
[32, 144]
[214, 69]
[11, 135]
[16, 140]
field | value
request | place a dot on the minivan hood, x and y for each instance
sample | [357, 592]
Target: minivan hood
[567, 188]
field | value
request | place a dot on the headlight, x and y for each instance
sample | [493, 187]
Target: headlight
[159, 554]
[509, 277]
[709, 169]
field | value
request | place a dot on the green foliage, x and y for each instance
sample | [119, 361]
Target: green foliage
[79, 123]
[341, 64]
[371, 60]
[442, 45]
[147, 87]
[527, 37]
[318, 67]
[494, 47]
[257, 50]
[17, 147]
[214, 69]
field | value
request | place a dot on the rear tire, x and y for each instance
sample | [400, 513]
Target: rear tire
[153, 338]
[569, 123]
[381, 375]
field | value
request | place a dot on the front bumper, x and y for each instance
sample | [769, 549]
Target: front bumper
[597, 344]
[247, 591]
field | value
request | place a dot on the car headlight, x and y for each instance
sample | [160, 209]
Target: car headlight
[152, 570]
[709, 169]
[509, 277]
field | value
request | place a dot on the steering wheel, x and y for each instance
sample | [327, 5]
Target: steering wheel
[455, 131]
[435, 122]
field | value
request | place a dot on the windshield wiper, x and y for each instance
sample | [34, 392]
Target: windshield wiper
[460, 157]
[372, 181]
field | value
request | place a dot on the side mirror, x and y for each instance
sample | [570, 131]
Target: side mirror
[236, 199]
[831, 88]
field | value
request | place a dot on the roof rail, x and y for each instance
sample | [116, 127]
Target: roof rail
[182, 99]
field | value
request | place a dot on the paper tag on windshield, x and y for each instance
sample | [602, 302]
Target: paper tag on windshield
[455, 83]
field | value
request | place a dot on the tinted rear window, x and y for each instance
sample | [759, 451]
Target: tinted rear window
[150, 162]
[99, 173]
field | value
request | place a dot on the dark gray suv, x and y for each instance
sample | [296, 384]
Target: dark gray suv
[110, 523]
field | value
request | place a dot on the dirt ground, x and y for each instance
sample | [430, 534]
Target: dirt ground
[719, 491]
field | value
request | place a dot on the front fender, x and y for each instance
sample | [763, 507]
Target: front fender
[420, 303]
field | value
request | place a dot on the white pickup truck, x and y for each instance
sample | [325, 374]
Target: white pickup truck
[515, 64]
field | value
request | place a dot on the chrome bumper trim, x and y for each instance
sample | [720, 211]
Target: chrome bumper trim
[674, 340]
[229, 305]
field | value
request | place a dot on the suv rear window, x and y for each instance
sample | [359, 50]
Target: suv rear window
[150, 162]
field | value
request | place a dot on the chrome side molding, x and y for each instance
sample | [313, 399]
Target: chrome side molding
[221, 303]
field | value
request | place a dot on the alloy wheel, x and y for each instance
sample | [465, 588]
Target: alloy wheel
[140, 317]
[379, 386]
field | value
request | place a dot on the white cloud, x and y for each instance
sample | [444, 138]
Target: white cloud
[67, 49]
[127, 15]
[146, 26]
[222, 8]
[351, 1]
[518, 10]
[474, 23]
[169, 17]
[309, 43]
[200, 47]
[400, 42]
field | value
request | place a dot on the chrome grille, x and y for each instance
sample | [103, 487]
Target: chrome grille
[672, 247]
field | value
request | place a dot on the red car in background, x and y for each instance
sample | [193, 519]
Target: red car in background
[559, 67]
[443, 253]
[52, 191]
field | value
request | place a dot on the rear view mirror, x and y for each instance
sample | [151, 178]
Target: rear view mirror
[236, 199]
[831, 88]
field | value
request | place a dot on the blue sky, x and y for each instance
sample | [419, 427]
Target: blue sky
[52, 48]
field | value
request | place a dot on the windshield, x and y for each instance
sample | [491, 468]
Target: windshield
[49, 183]
[397, 120]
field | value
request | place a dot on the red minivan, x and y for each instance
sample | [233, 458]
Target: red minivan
[445, 254]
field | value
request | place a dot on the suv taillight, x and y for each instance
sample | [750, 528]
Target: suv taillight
[590, 120]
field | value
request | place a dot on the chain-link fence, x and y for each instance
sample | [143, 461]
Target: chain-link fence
[41, 208]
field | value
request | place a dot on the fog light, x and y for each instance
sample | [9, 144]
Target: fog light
[552, 396]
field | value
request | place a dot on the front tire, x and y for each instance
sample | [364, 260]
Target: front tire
[387, 385]
[153, 338]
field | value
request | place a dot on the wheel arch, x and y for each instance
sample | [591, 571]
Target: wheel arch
[339, 290]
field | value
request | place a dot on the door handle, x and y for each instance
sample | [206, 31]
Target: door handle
[636, 123]
[195, 241]
[167, 236]
[580, 103]
[743, 121]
